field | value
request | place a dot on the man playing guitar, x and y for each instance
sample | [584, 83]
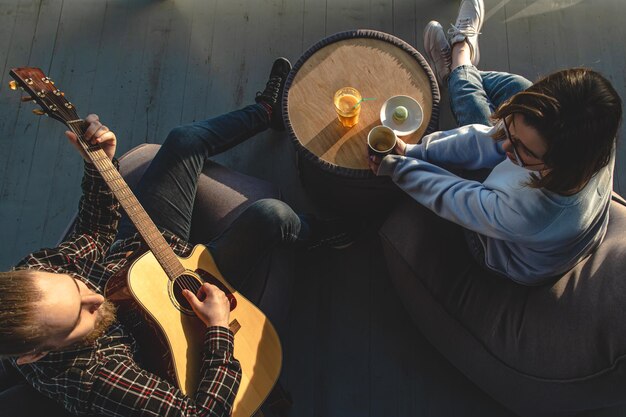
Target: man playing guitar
[62, 335]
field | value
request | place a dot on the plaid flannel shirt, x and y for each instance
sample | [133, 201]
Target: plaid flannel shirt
[105, 379]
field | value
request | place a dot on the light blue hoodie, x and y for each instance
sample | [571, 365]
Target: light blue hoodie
[528, 234]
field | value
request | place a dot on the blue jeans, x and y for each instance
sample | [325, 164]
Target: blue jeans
[474, 94]
[168, 188]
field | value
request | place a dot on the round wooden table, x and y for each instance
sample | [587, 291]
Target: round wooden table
[333, 159]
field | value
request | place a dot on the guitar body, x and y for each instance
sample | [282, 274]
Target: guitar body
[173, 340]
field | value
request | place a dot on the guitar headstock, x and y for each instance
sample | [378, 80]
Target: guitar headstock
[43, 91]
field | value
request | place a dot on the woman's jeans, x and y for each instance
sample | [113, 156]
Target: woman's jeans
[474, 95]
[168, 188]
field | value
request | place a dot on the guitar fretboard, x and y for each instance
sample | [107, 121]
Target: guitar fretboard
[135, 211]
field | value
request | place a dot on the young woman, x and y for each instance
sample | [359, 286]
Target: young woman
[551, 151]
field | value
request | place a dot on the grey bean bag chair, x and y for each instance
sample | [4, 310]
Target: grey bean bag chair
[554, 349]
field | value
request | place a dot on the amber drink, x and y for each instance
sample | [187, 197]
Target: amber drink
[347, 104]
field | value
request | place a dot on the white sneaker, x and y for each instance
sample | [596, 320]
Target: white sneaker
[438, 51]
[468, 25]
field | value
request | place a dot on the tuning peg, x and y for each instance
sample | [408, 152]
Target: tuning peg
[26, 99]
[12, 85]
[39, 112]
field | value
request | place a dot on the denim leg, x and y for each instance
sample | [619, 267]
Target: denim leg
[474, 94]
[252, 237]
[468, 100]
[168, 188]
[500, 86]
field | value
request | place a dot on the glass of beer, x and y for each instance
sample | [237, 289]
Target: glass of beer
[348, 106]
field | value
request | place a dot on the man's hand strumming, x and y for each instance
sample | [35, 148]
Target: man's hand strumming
[214, 309]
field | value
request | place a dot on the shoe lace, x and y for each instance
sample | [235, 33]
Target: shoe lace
[271, 88]
[464, 27]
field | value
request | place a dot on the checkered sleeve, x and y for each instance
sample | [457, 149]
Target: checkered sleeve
[120, 388]
[98, 217]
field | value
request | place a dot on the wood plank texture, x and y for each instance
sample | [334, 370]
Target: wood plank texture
[33, 43]
[146, 66]
[83, 27]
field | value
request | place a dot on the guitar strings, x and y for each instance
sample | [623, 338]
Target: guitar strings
[189, 282]
[184, 281]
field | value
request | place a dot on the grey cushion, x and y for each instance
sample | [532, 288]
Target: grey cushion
[549, 349]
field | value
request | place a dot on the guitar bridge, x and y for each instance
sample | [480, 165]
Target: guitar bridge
[234, 326]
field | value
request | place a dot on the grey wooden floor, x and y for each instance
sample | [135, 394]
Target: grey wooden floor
[146, 66]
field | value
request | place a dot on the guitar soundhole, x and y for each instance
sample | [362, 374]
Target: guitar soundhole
[185, 282]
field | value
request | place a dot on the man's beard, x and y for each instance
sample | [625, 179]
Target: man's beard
[106, 317]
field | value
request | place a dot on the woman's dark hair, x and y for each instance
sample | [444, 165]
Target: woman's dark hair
[578, 113]
[20, 331]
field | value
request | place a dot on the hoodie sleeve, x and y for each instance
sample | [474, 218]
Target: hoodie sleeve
[468, 147]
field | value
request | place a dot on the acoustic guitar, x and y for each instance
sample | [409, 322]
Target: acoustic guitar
[150, 287]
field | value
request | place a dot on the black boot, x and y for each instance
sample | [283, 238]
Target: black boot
[273, 93]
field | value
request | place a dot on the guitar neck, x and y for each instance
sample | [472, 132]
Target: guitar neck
[135, 211]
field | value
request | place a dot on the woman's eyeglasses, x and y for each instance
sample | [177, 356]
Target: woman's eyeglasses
[514, 144]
